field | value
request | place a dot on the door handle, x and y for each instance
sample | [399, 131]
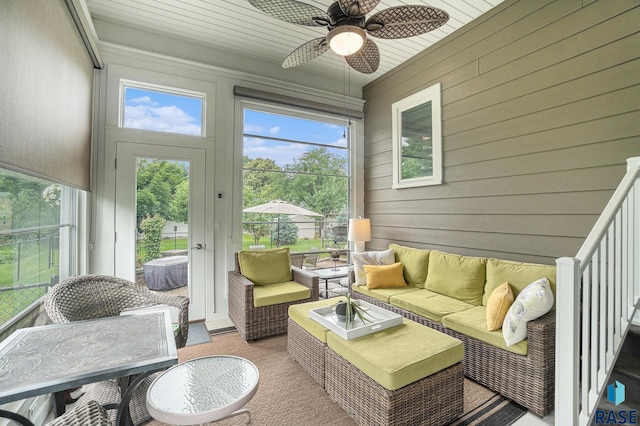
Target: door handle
[198, 246]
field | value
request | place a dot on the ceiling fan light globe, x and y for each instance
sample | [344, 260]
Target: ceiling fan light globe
[346, 40]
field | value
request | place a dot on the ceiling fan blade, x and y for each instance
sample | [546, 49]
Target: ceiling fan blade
[357, 7]
[405, 21]
[365, 60]
[308, 51]
[293, 11]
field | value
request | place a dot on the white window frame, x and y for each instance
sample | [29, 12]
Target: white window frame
[431, 94]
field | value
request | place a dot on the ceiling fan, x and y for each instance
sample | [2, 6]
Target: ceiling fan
[348, 28]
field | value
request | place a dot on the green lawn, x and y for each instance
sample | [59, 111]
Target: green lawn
[301, 245]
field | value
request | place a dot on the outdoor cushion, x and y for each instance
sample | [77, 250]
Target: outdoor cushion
[383, 294]
[384, 257]
[534, 301]
[473, 323]
[498, 304]
[429, 304]
[400, 355]
[299, 313]
[518, 274]
[384, 276]
[265, 266]
[461, 277]
[415, 262]
[274, 294]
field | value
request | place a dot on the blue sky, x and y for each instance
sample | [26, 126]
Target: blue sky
[279, 126]
[164, 112]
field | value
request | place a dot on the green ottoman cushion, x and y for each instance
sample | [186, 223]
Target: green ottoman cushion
[399, 355]
[300, 314]
[274, 294]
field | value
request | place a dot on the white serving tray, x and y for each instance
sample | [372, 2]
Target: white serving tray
[380, 320]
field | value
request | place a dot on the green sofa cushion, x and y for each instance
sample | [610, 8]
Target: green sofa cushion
[265, 266]
[400, 355]
[300, 314]
[473, 323]
[460, 277]
[415, 263]
[429, 304]
[517, 274]
[274, 294]
[383, 294]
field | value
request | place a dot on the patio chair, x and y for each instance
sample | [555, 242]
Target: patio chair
[98, 296]
[263, 288]
[311, 260]
[89, 414]
[297, 260]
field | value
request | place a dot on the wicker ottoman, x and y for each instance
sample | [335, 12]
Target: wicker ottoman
[413, 375]
[306, 338]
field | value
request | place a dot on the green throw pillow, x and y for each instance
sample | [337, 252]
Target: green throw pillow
[460, 277]
[264, 267]
[415, 262]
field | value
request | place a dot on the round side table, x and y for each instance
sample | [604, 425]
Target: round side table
[203, 390]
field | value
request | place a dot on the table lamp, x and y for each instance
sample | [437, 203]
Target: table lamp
[359, 232]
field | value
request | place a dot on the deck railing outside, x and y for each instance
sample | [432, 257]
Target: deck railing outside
[597, 293]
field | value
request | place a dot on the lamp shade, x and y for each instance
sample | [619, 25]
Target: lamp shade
[346, 40]
[359, 230]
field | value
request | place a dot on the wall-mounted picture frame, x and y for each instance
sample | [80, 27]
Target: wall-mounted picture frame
[417, 139]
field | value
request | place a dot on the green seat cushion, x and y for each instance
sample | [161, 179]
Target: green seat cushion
[473, 323]
[415, 263]
[383, 294]
[300, 314]
[429, 304]
[265, 266]
[399, 355]
[461, 277]
[274, 294]
[517, 274]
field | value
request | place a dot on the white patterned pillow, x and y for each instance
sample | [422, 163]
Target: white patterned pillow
[534, 300]
[385, 257]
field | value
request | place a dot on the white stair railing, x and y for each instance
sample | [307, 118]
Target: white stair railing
[596, 297]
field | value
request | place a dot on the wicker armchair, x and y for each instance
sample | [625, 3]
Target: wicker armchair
[98, 296]
[253, 323]
[88, 414]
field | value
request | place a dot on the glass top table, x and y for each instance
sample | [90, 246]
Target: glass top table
[203, 390]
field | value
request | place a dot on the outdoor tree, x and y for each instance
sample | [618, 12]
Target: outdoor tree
[179, 206]
[318, 181]
[158, 182]
[284, 232]
[152, 229]
[262, 182]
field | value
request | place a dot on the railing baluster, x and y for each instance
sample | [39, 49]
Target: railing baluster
[587, 313]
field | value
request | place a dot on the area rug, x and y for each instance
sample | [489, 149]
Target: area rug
[198, 334]
[287, 395]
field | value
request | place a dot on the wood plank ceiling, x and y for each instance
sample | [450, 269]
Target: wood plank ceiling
[236, 26]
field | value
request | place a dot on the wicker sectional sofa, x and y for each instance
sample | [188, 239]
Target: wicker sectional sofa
[523, 372]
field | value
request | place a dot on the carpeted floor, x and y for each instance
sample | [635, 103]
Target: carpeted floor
[287, 395]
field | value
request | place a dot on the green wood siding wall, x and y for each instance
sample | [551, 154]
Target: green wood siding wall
[541, 109]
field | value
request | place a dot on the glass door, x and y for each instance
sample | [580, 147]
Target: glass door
[160, 215]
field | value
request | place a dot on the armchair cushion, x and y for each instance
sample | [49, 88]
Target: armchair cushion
[264, 267]
[284, 292]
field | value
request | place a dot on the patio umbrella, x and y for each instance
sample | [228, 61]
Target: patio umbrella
[280, 207]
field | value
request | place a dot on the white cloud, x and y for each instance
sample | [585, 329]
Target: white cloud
[274, 130]
[282, 154]
[251, 128]
[145, 116]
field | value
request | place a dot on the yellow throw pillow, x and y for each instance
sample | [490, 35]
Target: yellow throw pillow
[498, 305]
[265, 266]
[384, 276]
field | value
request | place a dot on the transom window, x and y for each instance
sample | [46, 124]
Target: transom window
[162, 109]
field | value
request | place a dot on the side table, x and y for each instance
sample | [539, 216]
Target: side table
[327, 274]
[203, 390]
